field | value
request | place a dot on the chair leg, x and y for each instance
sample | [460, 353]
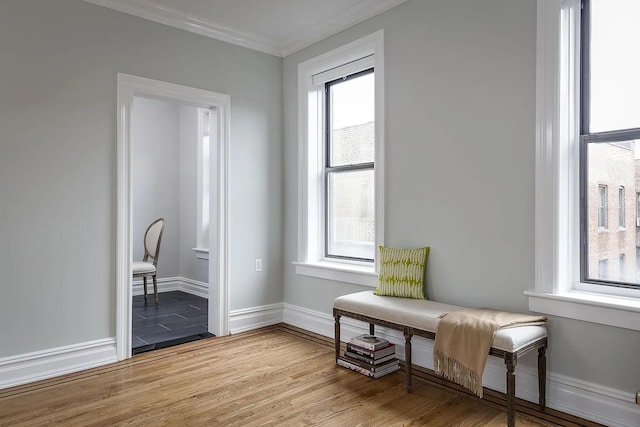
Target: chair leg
[155, 287]
[510, 360]
[144, 283]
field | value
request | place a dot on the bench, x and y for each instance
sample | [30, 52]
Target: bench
[421, 317]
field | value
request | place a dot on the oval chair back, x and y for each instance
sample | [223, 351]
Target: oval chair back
[152, 239]
[148, 266]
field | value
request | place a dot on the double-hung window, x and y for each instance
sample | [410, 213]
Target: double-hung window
[587, 147]
[349, 167]
[341, 169]
[609, 132]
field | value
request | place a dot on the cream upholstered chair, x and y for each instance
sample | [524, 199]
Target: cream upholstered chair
[148, 266]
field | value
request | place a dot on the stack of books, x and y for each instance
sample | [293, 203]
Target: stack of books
[370, 356]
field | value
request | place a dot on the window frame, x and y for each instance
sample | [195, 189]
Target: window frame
[558, 290]
[311, 259]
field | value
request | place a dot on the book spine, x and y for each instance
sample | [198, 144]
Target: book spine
[355, 367]
[368, 345]
[365, 359]
[361, 351]
[389, 349]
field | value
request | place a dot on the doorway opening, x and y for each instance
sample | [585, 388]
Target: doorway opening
[165, 132]
[170, 178]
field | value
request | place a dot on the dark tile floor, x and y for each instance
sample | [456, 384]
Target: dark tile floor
[177, 315]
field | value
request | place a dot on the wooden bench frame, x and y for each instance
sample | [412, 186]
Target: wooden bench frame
[510, 358]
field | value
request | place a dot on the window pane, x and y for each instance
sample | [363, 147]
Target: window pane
[615, 65]
[350, 216]
[351, 121]
[612, 166]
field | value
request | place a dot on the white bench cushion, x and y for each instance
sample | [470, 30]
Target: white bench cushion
[425, 315]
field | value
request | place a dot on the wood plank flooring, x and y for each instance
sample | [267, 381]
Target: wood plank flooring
[276, 376]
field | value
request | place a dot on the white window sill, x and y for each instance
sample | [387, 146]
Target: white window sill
[339, 272]
[201, 253]
[621, 312]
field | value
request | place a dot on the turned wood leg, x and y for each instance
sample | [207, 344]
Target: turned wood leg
[407, 356]
[144, 284]
[510, 359]
[542, 376]
[337, 335]
[372, 329]
[155, 287]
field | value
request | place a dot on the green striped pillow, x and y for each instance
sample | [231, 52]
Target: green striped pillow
[402, 272]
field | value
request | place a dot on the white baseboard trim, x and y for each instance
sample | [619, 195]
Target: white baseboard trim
[246, 319]
[40, 365]
[580, 398]
[168, 284]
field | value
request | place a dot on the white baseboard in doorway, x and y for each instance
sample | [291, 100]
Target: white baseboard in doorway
[168, 284]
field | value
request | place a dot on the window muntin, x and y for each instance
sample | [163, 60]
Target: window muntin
[349, 167]
[609, 135]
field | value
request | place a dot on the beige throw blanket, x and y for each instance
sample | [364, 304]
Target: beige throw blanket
[463, 341]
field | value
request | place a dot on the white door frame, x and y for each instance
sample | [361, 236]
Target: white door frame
[128, 87]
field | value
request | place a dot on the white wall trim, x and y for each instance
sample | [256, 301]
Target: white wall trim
[246, 319]
[128, 87]
[357, 14]
[168, 284]
[311, 152]
[570, 395]
[168, 16]
[184, 21]
[40, 365]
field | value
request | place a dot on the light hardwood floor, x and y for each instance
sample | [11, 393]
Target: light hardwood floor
[276, 376]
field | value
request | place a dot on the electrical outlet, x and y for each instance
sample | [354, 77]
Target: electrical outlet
[638, 397]
[258, 264]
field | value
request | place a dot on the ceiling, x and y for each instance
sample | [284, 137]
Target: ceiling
[277, 27]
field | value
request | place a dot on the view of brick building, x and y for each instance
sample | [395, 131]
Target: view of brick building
[352, 221]
[613, 197]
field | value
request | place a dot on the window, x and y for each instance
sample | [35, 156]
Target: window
[637, 209]
[609, 123]
[341, 170]
[204, 133]
[602, 206]
[621, 222]
[586, 135]
[622, 266]
[349, 169]
[603, 269]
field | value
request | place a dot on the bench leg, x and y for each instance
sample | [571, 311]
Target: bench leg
[542, 376]
[510, 359]
[407, 356]
[372, 329]
[337, 335]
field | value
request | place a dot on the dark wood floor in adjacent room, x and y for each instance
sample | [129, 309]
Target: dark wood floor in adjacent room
[278, 376]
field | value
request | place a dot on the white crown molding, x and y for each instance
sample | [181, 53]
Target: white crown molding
[349, 18]
[164, 15]
[177, 19]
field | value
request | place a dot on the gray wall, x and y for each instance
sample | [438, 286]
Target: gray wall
[460, 132]
[155, 178]
[58, 162]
